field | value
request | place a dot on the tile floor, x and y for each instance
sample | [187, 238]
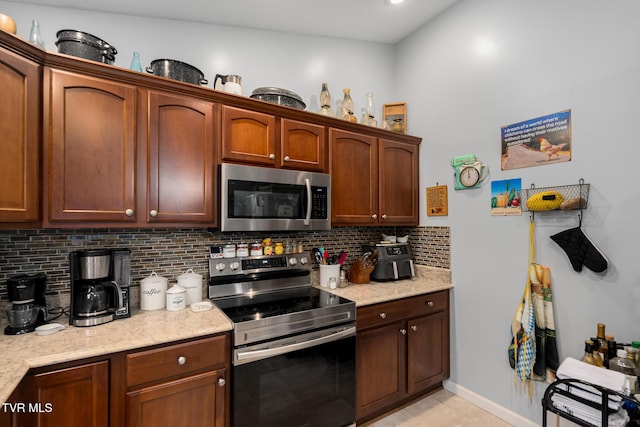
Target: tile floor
[440, 409]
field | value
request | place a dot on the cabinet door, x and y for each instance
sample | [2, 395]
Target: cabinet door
[90, 149]
[195, 401]
[181, 159]
[20, 130]
[74, 397]
[399, 195]
[354, 178]
[427, 351]
[248, 137]
[380, 368]
[303, 146]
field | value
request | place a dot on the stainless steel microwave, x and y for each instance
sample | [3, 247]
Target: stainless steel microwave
[266, 199]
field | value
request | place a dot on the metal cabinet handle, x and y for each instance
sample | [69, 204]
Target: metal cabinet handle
[403, 331]
[153, 213]
[221, 382]
[128, 212]
[384, 216]
[374, 216]
[383, 315]
[182, 360]
[272, 156]
[430, 303]
[414, 328]
[287, 158]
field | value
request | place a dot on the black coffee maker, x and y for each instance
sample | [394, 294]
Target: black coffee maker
[29, 308]
[100, 280]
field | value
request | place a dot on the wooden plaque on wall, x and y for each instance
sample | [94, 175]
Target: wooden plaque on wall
[437, 203]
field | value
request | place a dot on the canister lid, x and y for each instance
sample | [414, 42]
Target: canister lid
[175, 289]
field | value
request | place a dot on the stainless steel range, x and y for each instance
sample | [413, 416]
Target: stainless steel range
[293, 344]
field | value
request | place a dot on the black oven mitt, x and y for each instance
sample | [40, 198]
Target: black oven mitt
[580, 250]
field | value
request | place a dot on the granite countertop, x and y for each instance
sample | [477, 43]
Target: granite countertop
[427, 280]
[143, 328]
[147, 328]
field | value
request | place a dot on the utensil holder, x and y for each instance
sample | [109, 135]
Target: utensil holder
[359, 273]
[328, 271]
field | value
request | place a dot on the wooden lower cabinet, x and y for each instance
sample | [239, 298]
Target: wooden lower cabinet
[74, 397]
[195, 401]
[178, 385]
[402, 352]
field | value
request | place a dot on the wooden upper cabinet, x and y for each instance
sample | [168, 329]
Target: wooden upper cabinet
[90, 149]
[303, 146]
[354, 178]
[20, 85]
[180, 155]
[398, 182]
[248, 137]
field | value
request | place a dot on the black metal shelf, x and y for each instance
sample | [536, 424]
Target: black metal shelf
[603, 407]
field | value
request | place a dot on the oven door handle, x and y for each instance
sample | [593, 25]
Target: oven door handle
[270, 352]
[307, 219]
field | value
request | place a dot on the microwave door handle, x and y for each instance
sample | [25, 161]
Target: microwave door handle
[413, 271]
[395, 269]
[307, 219]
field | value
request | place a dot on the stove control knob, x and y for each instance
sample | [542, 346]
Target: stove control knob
[234, 265]
[293, 261]
[303, 260]
[220, 266]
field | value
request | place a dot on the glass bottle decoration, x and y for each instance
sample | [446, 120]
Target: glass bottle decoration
[347, 106]
[371, 111]
[325, 101]
[34, 36]
[135, 62]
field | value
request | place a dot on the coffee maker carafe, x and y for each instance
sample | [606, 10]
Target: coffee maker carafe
[100, 280]
[29, 308]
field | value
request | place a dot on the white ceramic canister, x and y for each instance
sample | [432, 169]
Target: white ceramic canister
[176, 298]
[192, 283]
[152, 292]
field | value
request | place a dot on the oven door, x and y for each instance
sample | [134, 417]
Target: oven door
[307, 380]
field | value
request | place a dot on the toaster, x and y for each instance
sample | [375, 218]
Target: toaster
[395, 262]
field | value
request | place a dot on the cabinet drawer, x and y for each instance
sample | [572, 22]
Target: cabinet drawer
[179, 359]
[383, 313]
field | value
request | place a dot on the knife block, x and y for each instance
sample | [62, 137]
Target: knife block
[359, 273]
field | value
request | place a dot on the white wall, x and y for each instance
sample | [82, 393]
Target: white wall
[488, 63]
[291, 61]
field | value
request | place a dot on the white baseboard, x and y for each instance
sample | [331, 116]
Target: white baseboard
[488, 405]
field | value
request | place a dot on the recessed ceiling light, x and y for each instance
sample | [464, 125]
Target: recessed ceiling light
[395, 1]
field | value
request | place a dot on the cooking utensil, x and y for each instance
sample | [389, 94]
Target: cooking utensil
[279, 96]
[342, 258]
[177, 70]
[85, 45]
[229, 83]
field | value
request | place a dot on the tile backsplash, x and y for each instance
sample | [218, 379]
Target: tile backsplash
[170, 252]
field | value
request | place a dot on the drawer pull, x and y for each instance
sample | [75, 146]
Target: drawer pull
[383, 315]
[430, 303]
[414, 328]
[182, 360]
[403, 331]
[221, 382]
